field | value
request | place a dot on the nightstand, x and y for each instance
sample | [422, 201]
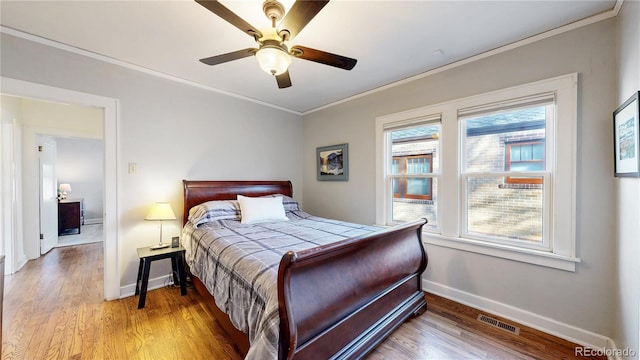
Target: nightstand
[146, 256]
[70, 216]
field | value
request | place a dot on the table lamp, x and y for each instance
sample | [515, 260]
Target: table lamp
[64, 188]
[160, 211]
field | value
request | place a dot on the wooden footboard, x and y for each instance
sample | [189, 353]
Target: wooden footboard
[337, 301]
[341, 300]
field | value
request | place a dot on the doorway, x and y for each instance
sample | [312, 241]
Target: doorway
[77, 187]
[29, 240]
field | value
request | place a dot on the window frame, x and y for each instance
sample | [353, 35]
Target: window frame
[560, 154]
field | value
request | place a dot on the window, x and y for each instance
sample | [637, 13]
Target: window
[411, 187]
[411, 168]
[524, 156]
[499, 141]
[487, 171]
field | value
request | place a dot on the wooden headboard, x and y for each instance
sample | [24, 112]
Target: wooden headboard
[199, 191]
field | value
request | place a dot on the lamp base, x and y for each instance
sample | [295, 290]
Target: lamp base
[160, 246]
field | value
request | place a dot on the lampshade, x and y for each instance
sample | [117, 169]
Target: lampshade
[161, 211]
[273, 59]
[65, 187]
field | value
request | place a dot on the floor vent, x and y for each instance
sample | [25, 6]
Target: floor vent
[499, 324]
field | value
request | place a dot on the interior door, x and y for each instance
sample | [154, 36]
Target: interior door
[48, 195]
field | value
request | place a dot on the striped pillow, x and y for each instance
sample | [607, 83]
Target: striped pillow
[214, 210]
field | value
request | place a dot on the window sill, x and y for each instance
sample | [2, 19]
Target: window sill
[529, 256]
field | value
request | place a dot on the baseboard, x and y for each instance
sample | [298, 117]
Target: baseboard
[92, 221]
[550, 326]
[614, 353]
[21, 263]
[155, 283]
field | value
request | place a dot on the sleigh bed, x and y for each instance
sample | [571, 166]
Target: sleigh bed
[334, 300]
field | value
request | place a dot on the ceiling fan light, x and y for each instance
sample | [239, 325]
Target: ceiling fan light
[273, 60]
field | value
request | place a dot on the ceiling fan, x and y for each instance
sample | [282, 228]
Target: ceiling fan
[272, 53]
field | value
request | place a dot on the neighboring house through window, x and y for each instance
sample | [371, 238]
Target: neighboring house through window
[503, 156]
[412, 188]
[412, 163]
[524, 156]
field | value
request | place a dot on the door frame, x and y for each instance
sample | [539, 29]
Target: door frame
[111, 211]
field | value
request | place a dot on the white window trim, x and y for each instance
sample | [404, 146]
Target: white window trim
[563, 192]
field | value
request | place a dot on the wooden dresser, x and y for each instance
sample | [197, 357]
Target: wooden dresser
[70, 216]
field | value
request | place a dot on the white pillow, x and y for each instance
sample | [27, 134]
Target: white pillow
[262, 209]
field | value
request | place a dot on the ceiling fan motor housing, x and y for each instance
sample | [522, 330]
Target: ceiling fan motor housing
[274, 10]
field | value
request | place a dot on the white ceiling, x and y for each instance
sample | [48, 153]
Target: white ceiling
[392, 40]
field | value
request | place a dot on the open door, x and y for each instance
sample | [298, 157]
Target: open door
[48, 195]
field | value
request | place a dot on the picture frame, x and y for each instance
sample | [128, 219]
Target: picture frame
[175, 242]
[625, 138]
[332, 163]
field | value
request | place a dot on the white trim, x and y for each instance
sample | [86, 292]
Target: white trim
[10, 186]
[617, 7]
[521, 254]
[614, 353]
[93, 55]
[547, 34]
[550, 326]
[93, 221]
[111, 197]
[155, 283]
[613, 347]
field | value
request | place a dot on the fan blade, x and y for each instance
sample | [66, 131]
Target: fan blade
[284, 81]
[219, 59]
[228, 15]
[323, 57]
[299, 15]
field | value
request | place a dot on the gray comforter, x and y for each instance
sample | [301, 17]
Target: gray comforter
[239, 266]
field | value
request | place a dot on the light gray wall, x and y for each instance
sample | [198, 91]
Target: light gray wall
[172, 131]
[627, 194]
[80, 163]
[585, 298]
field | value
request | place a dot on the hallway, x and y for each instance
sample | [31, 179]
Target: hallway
[88, 234]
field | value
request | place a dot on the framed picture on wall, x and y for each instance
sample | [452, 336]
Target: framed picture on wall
[333, 162]
[625, 138]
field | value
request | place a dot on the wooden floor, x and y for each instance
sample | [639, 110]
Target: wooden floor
[54, 309]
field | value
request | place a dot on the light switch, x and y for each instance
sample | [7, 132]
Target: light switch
[133, 168]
